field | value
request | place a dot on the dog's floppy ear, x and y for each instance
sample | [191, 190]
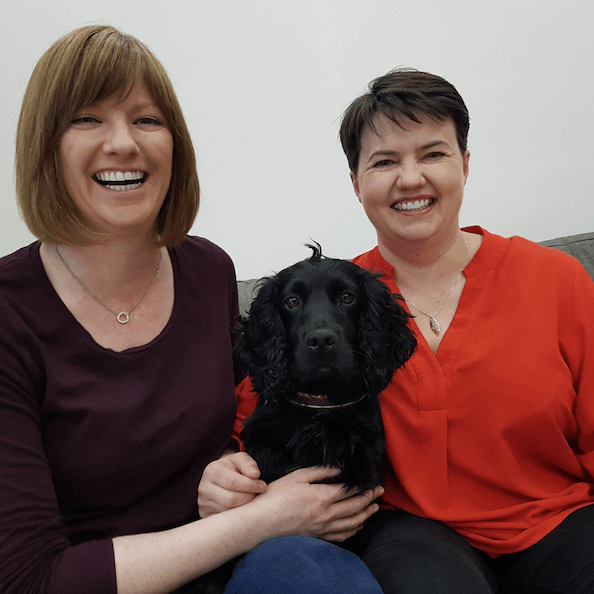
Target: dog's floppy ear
[385, 338]
[262, 348]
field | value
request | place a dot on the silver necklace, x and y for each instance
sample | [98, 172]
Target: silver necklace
[433, 323]
[122, 317]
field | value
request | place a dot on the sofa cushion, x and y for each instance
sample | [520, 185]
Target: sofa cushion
[246, 291]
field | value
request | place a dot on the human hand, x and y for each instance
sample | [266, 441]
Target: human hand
[229, 482]
[299, 504]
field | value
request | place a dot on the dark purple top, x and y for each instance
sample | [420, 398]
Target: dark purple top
[94, 443]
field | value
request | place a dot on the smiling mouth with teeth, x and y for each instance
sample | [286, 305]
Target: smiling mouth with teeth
[412, 205]
[120, 181]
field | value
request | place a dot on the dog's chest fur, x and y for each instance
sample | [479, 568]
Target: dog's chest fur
[282, 437]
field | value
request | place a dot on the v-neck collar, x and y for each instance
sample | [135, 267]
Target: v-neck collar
[479, 274]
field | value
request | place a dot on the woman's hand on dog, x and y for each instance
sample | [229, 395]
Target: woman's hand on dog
[230, 481]
[300, 504]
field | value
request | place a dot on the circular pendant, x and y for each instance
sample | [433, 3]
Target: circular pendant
[123, 317]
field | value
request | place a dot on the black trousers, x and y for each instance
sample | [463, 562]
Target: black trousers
[412, 555]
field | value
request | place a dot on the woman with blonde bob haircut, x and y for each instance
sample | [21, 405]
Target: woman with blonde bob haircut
[67, 78]
[116, 370]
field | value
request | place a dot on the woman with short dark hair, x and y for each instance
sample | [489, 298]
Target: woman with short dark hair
[489, 426]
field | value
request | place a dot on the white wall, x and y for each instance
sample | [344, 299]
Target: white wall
[263, 83]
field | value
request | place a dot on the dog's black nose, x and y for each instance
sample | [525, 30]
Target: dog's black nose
[321, 340]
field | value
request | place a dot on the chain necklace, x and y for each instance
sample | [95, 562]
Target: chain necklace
[433, 323]
[122, 317]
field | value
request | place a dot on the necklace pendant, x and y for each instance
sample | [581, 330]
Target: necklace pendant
[123, 317]
[434, 325]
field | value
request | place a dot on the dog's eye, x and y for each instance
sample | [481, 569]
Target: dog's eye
[347, 298]
[291, 302]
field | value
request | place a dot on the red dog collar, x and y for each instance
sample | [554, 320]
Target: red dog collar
[320, 401]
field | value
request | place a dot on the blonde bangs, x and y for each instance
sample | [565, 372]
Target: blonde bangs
[81, 69]
[105, 65]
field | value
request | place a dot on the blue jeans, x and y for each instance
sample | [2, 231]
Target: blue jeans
[299, 565]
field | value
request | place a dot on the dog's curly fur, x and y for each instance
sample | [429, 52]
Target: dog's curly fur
[333, 330]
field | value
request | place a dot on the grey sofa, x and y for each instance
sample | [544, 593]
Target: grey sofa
[580, 246]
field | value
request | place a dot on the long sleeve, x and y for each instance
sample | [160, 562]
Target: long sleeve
[577, 344]
[35, 553]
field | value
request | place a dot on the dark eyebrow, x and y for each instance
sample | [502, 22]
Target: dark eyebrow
[388, 153]
[385, 153]
[435, 143]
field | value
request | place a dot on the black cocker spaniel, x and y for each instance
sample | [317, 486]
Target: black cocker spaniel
[322, 339]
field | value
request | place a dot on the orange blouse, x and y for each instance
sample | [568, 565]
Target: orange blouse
[494, 435]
